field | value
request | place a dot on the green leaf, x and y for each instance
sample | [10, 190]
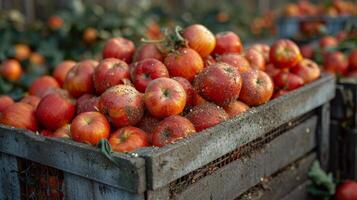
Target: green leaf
[106, 149]
[322, 183]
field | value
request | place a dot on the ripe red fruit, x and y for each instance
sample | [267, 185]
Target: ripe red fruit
[271, 70]
[200, 39]
[219, 83]
[122, 105]
[257, 88]
[235, 108]
[164, 97]
[263, 49]
[90, 128]
[197, 99]
[284, 54]
[54, 111]
[279, 93]
[148, 51]
[328, 42]
[184, 62]
[206, 115]
[352, 60]
[55, 22]
[79, 79]
[108, 73]
[236, 60]
[188, 89]
[171, 129]
[227, 42]
[120, 48]
[128, 139]
[307, 51]
[147, 124]
[46, 133]
[62, 69]
[11, 70]
[87, 103]
[5, 101]
[63, 132]
[255, 59]
[19, 115]
[307, 69]
[353, 73]
[346, 191]
[336, 62]
[31, 100]
[145, 71]
[208, 60]
[42, 84]
[287, 81]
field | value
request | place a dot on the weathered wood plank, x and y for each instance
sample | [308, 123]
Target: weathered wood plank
[173, 161]
[299, 193]
[323, 136]
[159, 194]
[75, 158]
[79, 188]
[237, 177]
[9, 180]
[283, 182]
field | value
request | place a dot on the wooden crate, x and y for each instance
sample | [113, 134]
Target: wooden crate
[222, 162]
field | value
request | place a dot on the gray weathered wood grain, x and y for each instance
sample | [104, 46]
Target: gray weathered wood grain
[9, 180]
[299, 193]
[283, 182]
[75, 158]
[79, 188]
[173, 161]
[323, 136]
[237, 177]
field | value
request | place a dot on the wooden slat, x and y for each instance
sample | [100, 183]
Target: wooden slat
[9, 180]
[299, 193]
[79, 188]
[323, 136]
[283, 182]
[237, 177]
[75, 158]
[166, 164]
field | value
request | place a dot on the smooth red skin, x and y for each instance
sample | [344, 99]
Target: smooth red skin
[353, 73]
[31, 100]
[160, 105]
[122, 104]
[87, 103]
[227, 42]
[188, 89]
[171, 129]
[328, 42]
[352, 60]
[306, 69]
[62, 70]
[271, 70]
[184, 62]
[206, 115]
[5, 101]
[336, 62]
[79, 79]
[52, 90]
[120, 48]
[19, 115]
[63, 132]
[342, 35]
[197, 99]
[208, 60]
[200, 39]
[147, 124]
[307, 51]
[235, 108]
[110, 72]
[147, 70]
[11, 70]
[42, 84]
[219, 83]
[284, 54]
[287, 81]
[90, 128]
[263, 49]
[255, 59]
[46, 133]
[347, 191]
[236, 60]
[279, 93]
[128, 139]
[148, 51]
[54, 111]
[257, 88]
